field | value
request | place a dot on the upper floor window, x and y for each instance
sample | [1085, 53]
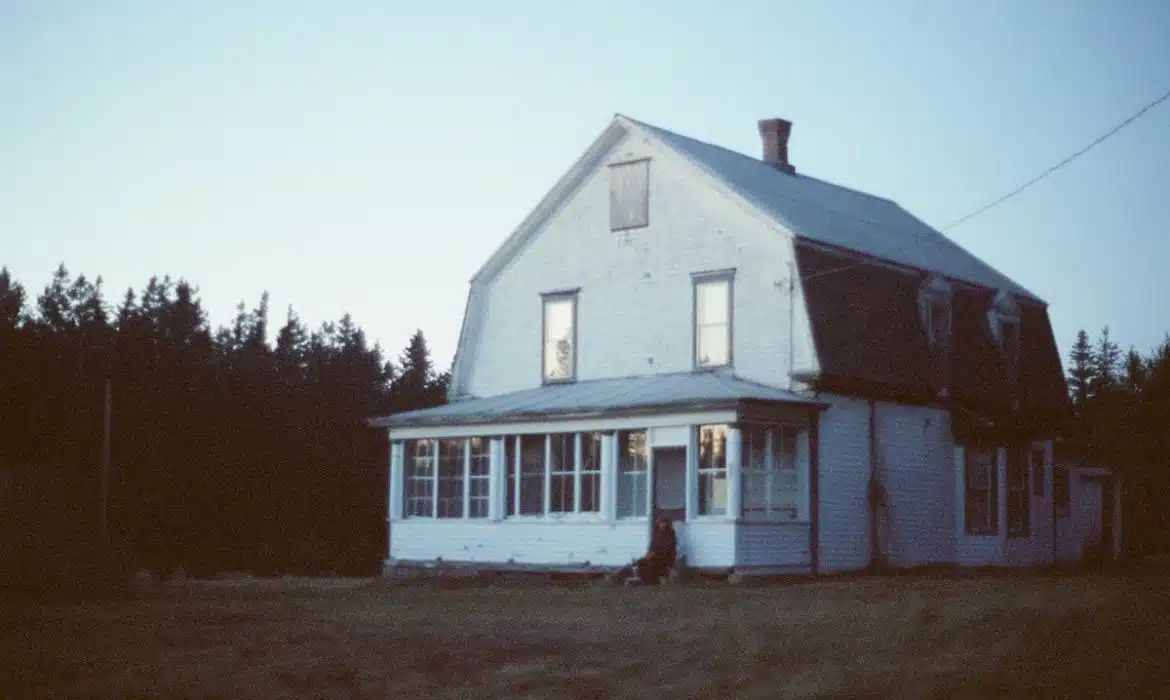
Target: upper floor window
[713, 317]
[559, 337]
[1005, 322]
[629, 195]
[936, 318]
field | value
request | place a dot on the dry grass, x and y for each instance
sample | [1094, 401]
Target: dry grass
[987, 636]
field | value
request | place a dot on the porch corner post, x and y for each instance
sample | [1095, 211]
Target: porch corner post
[496, 479]
[734, 482]
[692, 489]
[608, 477]
[396, 469]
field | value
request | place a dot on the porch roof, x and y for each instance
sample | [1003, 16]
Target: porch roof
[684, 391]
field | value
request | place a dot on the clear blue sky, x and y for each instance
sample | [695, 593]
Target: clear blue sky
[368, 157]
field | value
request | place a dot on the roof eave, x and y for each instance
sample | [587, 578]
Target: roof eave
[590, 414]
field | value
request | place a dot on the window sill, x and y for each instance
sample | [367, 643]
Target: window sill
[981, 533]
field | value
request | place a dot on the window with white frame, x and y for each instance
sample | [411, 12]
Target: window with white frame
[771, 481]
[420, 478]
[629, 195]
[712, 469]
[1018, 503]
[531, 475]
[559, 337]
[450, 501]
[479, 477]
[562, 470]
[589, 498]
[633, 460]
[511, 469]
[713, 318]
[981, 493]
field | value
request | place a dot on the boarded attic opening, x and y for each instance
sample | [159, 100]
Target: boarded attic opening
[629, 195]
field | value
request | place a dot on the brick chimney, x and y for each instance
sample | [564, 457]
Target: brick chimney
[774, 133]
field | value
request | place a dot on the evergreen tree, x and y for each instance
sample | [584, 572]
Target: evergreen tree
[1082, 368]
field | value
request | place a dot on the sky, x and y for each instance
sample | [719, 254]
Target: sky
[368, 157]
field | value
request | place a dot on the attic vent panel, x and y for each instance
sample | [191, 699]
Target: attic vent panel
[629, 195]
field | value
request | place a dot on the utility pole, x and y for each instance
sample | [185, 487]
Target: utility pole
[106, 467]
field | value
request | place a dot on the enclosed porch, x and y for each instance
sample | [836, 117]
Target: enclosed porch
[565, 477]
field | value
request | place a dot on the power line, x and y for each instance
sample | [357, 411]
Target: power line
[1061, 164]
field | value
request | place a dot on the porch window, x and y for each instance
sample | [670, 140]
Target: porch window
[633, 458]
[450, 502]
[1018, 503]
[982, 492]
[771, 483]
[531, 475]
[420, 478]
[479, 477]
[712, 470]
[511, 469]
[590, 496]
[559, 341]
[712, 319]
[562, 472]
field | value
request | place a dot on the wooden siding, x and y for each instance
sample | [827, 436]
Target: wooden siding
[640, 279]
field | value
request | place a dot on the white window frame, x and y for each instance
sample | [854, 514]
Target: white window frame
[699, 281]
[762, 476]
[588, 471]
[629, 194]
[479, 497]
[429, 464]
[562, 470]
[638, 478]
[547, 301]
[715, 474]
[460, 461]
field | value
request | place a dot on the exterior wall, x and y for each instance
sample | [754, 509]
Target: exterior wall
[1037, 548]
[998, 549]
[843, 482]
[773, 545]
[1085, 522]
[639, 279]
[532, 542]
[916, 465]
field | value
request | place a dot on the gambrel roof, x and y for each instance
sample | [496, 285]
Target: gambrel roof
[862, 260]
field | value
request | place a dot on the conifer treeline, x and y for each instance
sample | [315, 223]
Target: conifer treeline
[1121, 405]
[228, 452]
[231, 453]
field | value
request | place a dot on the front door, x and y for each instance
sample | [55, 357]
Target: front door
[670, 482]
[668, 466]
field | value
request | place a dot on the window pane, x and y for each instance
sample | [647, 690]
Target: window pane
[629, 195]
[510, 470]
[1038, 473]
[632, 475]
[713, 447]
[712, 299]
[480, 456]
[563, 457]
[713, 347]
[712, 493]
[590, 495]
[558, 338]
[532, 475]
[451, 479]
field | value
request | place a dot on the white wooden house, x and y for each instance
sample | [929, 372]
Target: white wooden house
[805, 377]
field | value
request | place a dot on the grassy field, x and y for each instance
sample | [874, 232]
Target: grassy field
[1035, 635]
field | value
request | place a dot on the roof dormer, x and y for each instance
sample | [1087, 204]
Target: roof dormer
[1004, 319]
[934, 306]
